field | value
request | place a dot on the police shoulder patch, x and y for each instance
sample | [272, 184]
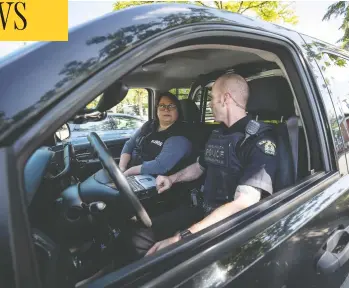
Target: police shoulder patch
[267, 146]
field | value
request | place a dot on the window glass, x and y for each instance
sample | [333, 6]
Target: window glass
[135, 104]
[124, 123]
[336, 73]
[103, 125]
[197, 96]
[93, 104]
[180, 93]
[129, 114]
[208, 112]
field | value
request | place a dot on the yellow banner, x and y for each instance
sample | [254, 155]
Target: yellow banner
[34, 20]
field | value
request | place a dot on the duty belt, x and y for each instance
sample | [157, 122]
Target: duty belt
[198, 200]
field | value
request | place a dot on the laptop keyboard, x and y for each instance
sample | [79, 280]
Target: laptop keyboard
[134, 184]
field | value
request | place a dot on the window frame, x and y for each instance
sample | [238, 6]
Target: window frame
[300, 190]
[337, 107]
[345, 57]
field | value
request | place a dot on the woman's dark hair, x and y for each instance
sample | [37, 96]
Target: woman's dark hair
[175, 100]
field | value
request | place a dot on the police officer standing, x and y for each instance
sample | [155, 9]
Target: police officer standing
[240, 165]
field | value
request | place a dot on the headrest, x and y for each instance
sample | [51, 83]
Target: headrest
[270, 97]
[191, 112]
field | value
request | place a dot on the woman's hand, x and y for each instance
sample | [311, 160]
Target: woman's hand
[135, 170]
[124, 160]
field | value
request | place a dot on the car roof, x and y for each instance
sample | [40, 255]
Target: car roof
[91, 47]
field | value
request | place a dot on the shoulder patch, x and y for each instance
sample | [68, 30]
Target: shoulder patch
[267, 146]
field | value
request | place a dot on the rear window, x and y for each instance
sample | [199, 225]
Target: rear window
[180, 93]
[208, 111]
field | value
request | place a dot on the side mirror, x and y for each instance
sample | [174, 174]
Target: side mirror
[63, 133]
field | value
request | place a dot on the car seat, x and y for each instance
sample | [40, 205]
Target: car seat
[271, 100]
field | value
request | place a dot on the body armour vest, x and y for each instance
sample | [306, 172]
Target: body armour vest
[225, 164]
[150, 142]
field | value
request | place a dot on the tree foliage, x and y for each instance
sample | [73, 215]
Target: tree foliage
[340, 8]
[272, 11]
[135, 103]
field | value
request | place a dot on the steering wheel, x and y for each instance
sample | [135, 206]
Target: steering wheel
[118, 178]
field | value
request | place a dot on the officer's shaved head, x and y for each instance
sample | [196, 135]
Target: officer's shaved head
[236, 86]
[229, 98]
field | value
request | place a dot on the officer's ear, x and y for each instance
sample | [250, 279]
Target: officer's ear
[225, 99]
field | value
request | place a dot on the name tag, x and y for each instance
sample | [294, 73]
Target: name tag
[157, 142]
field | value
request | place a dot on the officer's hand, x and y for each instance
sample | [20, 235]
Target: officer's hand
[163, 183]
[162, 244]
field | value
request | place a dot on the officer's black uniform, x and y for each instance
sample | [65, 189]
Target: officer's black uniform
[231, 159]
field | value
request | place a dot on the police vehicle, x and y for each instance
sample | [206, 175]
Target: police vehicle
[58, 230]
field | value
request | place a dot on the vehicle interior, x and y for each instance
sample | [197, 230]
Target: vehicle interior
[86, 200]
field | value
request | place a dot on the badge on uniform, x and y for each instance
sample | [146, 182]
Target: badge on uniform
[267, 146]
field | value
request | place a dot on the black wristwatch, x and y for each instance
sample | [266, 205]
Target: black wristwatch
[185, 233]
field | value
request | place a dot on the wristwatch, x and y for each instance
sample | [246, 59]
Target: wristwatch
[185, 233]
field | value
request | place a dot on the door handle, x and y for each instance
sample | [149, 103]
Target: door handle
[334, 253]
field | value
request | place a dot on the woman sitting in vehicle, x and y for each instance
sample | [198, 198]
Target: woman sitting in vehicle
[161, 146]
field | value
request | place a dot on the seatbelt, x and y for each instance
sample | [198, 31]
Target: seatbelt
[293, 133]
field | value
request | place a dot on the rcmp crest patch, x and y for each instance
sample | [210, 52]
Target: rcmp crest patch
[267, 146]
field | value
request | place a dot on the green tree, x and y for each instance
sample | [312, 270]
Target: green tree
[137, 99]
[93, 104]
[340, 8]
[272, 11]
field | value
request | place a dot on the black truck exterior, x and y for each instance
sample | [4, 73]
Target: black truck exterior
[283, 242]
